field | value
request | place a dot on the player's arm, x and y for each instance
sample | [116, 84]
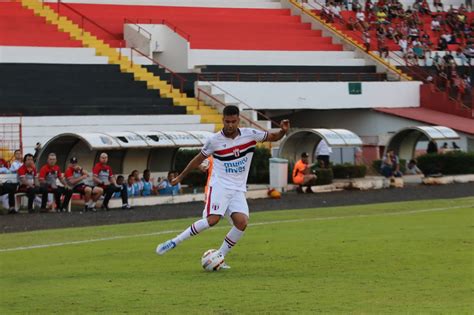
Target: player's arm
[275, 136]
[195, 162]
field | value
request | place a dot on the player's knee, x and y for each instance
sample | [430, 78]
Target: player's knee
[241, 223]
[213, 219]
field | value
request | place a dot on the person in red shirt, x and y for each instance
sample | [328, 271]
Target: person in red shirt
[75, 177]
[105, 179]
[26, 178]
[49, 175]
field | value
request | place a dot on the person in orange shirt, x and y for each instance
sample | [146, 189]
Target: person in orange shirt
[206, 166]
[302, 175]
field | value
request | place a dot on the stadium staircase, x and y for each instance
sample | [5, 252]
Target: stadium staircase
[140, 73]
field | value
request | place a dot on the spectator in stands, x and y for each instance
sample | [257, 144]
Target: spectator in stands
[49, 175]
[366, 39]
[360, 21]
[104, 178]
[26, 178]
[412, 168]
[383, 48]
[322, 154]
[335, 11]
[17, 162]
[165, 187]
[75, 177]
[403, 43]
[10, 189]
[438, 5]
[436, 25]
[442, 43]
[356, 6]
[302, 175]
[418, 52]
[148, 188]
[391, 165]
[432, 147]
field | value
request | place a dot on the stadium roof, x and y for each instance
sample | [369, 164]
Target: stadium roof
[429, 116]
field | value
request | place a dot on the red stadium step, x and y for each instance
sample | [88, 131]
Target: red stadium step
[211, 28]
[20, 27]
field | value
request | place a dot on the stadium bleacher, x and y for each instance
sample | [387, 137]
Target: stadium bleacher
[59, 89]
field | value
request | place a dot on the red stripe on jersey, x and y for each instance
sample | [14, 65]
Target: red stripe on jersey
[240, 147]
[208, 207]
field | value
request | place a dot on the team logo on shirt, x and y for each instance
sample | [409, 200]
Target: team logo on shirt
[215, 207]
[236, 152]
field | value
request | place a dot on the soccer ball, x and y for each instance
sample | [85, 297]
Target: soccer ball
[212, 260]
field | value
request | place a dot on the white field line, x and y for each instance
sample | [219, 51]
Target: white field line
[119, 237]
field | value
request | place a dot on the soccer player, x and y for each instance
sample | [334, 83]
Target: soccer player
[232, 150]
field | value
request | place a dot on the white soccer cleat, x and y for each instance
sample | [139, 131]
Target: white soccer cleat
[225, 266]
[164, 247]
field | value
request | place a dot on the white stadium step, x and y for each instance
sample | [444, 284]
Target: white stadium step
[58, 55]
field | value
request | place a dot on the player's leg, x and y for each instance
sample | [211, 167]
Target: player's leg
[240, 218]
[216, 205]
[240, 221]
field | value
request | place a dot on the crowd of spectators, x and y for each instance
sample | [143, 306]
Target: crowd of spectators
[410, 32]
[102, 184]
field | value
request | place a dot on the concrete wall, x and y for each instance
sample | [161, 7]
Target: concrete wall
[135, 37]
[169, 48]
[322, 95]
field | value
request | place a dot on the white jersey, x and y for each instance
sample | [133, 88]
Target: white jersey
[232, 157]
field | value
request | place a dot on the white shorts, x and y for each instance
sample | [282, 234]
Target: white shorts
[224, 202]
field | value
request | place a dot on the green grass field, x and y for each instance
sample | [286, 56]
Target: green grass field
[408, 257]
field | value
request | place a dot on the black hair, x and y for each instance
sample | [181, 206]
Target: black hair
[231, 110]
[146, 171]
[412, 162]
[17, 150]
[120, 177]
[130, 176]
[26, 156]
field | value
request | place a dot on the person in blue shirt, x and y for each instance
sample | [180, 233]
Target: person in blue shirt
[120, 180]
[147, 184]
[137, 183]
[165, 187]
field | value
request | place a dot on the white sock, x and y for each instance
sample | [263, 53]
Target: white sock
[195, 228]
[230, 240]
